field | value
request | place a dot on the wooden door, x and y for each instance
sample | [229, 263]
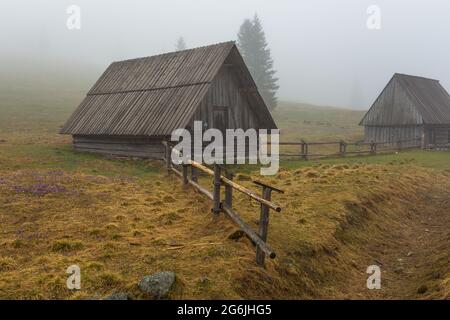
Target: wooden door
[220, 119]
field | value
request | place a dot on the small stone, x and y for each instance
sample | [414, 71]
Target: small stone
[422, 289]
[409, 254]
[118, 296]
[157, 285]
[236, 235]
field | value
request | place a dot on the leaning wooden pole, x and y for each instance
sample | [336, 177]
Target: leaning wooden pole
[263, 226]
[264, 247]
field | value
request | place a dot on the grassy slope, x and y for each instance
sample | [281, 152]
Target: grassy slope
[120, 220]
[301, 121]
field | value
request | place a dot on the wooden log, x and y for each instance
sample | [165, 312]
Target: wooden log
[176, 171]
[233, 215]
[194, 174]
[229, 190]
[216, 193]
[168, 157]
[201, 189]
[185, 174]
[265, 185]
[263, 226]
[234, 185]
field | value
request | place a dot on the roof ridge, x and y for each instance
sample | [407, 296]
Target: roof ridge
[178, 52]
[414, 76]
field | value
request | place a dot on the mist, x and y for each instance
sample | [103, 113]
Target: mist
[323, 51]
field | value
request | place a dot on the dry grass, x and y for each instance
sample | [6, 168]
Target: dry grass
[120, 220]
[118, 229]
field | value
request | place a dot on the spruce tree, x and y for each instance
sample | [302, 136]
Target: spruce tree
[254, 49]
[180, 45]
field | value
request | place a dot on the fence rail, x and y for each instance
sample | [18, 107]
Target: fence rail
[259, 238]
[344, 148]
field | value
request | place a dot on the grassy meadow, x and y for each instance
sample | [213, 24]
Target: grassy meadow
[120, 219]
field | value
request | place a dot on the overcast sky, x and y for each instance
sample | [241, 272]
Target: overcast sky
[323, 50]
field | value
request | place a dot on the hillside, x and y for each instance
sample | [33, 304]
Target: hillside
[122, 219]
[316, 123]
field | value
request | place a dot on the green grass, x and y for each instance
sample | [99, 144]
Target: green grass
[301, 121]
[428, 159]
[62, 157]
[125, 227]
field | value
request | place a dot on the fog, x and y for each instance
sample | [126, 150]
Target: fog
[323, 51]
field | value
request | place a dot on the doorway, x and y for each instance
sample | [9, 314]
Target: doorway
[220, 119]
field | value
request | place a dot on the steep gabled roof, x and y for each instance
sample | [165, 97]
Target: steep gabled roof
[432, 100]
[152, 95]
[429, 102]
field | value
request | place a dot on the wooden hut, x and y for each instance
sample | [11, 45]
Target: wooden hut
[411, 109]
[137, 103]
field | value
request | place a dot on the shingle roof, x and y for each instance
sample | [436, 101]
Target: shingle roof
[432, 100]
[150, 96]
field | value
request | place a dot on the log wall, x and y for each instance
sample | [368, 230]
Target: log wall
[142, 147]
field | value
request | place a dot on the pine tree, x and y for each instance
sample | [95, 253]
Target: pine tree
[254, 49]
[180, 45]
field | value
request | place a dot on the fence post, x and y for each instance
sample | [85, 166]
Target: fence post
[185, 174]
[216, 193]
[229, 190]
[304, 150]
[373, 147]
[194, 174]
[168, 157]
[342, 147]
[263, 225]
[399, 145]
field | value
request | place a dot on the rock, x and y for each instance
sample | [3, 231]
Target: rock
[236, 235]
[422, 289]
[409, 254]
[118, 296]
[157, 285]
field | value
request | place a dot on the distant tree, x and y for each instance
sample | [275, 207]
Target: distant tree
[254, 49]
[180, 45]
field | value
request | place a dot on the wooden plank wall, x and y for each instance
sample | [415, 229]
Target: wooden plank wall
[393, 107]
[142, 147]
[392, 134]
[442, 135]
[225, 92]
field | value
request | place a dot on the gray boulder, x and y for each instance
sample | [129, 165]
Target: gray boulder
[157, 285]
[118, 296]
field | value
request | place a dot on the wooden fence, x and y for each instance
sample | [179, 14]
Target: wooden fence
[343, 148]
[188, 171]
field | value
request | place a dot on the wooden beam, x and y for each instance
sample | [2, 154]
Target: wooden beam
[248, 231]
[263, 226]
[234, 185]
